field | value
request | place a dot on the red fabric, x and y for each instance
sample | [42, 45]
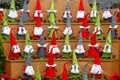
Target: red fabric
[93, 39]
[24, 68]
[81, 7]
[50, 73]
[85, 21]
[38, 6]
[97, 60]
[38, 20]
[118, 17]
[12, 55]
[93, 52]
[1, 15]
[12, 39]
[51, 58]
[85, 33]
[64, 74]
[53, 42]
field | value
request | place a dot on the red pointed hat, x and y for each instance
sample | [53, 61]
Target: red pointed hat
[93, 39]
[51, 58]
[53, 41]
[12, 39]
[81, 7]
[97, 61]
[64, 73]
[85, 21]
[38, 20]
[38, 6]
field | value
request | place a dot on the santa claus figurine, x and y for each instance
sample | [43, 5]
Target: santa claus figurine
[118, 14]
[1, 13]
[50, 72]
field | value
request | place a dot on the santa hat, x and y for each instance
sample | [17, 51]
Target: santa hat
[41, 46]
[5, 28]
[80, 48]
[67, 12]
[84, 74]
[113, 23]
[96, 67]
[28, 48]
[50, 71]
[38, 9]
[85, 21]
[53, 45]
[75, 69]
[15, 49]
[81, 12]
[38, 29]
[12, 13]
[93, 39]
[28, 69]
[38, 76]
[108, 44]
[67, 47]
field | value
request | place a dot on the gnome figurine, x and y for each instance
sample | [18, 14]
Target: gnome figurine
[93, 47]
[41, 47]
[113, 28]
[94, 12]
[28, 48]
[1, 13]
[38, 16]
[5, 28]
[81, 12]
[85, 28]
[15, 49]
[74, 68]
[55, 50]
[28, 68]
[107, 15]
[107, 50]
[67, 16]
[98, 28]
[25, 12]
[66, 48]
[50, 72]
[12, 12]
[80, 50]
[118, 14]
[38, 10]
[52, 20]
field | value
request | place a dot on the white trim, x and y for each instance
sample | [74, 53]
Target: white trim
[96, 45]
[85, 27]
[45, 45]
[113, 27]
[47, 65]
[52, 11]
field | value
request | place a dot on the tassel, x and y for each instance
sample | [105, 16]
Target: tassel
[80, 14]
[107, 14]
[80, 49]
[29, 70]
[15, 49]
[67, 49]
[75, 69]
[28, 49]
[13, 14]
[38, 31]
[6, 30]
[68, 30]
[96, 69]
[55, 49]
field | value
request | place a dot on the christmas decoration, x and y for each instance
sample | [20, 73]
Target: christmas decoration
[118, 14]
[116, 76]
[107, 50]
[5, 28]
[80, 49]
[38, 15]
[67, 16]
[66, 48]
[94, 12]
[113, 28]
[107, 15]
[81, 12]
[85, 28]
[41, 47]
[38, 77]
[28, 48]
[50, 72]
[14, 50]
[54, 47]
[98, 28]
[28, 68]
[12, 12]
[74, 69]
[1, 13]
[52, 20]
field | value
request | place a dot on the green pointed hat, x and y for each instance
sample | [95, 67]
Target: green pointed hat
[108, 39]
[98, 21]
[67, 41]
[12, 5]
[4, 21]
[38, 77]
[52, 5]
[94, 7]
[27, 40]
[74, 59]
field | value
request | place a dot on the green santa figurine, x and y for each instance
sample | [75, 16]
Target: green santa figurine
[107, 50]
[94, 12]
[12, 12]
[98, 28]
[5, 28]
[52, 20]
[74, 69]
[28, 48]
